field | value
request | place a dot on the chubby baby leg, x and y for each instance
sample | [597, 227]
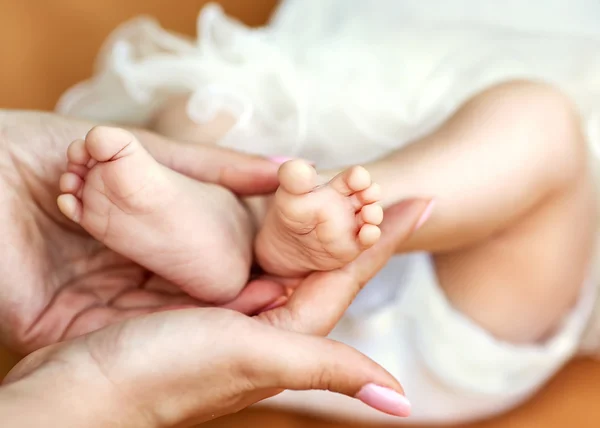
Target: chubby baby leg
[521, 280]
[513, 227]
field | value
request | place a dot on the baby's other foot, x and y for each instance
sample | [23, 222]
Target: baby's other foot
[188, 232]
[318, 227]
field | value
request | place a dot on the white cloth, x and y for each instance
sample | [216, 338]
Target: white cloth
[335, 77]
[451, 369]
[346, 81]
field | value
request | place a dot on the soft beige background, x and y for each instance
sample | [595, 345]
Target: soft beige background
[46, 46]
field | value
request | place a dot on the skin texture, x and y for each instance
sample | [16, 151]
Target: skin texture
[311, 227]
[57, 282]
[125, 373]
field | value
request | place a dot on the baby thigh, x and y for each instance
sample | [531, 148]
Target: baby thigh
[519, 283]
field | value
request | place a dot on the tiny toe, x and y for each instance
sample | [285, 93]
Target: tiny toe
[70, 206]
[297, 177]
[77, 153]
[70, 183]
[368, 196]
[80, 170]
[105, 143]
[359, 179]
[368, 235]
[351, 180]
[372, 214]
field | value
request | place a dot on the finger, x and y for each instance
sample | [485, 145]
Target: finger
[256, 296]
[157, 291]
[142, 298]
[303, 362]
[321, 299]
[242, 173]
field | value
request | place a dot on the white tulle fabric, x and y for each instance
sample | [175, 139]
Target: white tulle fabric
[339, 81]
[346, 81]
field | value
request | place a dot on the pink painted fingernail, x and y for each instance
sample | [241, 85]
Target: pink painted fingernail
[283, 159]
[385, 400]
[280, 159]
[426, 214]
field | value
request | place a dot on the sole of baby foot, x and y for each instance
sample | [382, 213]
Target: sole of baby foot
[312, 226]
[181, 229]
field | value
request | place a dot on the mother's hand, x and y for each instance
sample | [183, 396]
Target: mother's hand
[56, 282]
[181, 368]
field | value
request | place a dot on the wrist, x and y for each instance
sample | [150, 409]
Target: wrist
[60, 395]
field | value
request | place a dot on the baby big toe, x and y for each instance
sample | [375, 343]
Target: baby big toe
[297, 177]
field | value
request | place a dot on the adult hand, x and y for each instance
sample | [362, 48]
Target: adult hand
[180, 368]
[56, 282]
[319, 301]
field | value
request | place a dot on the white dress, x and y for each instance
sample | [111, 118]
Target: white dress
[346, 81]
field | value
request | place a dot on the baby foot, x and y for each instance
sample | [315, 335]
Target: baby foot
[195, 235]
[310, 227]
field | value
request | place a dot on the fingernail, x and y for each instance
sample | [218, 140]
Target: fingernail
[280, 301]
[426, 214]
[385, 400]
[283, 159]
[280, 159]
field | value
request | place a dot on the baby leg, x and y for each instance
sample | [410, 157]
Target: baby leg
[194, 234]
[513, 227]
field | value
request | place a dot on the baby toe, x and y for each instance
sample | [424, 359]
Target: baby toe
[358, 179]
[77, 153]
[368, 235]
[297, 177]
[368, 196]
[70, 206]
[105, 143]
[70, 183]
[372, 214]
[351, 181]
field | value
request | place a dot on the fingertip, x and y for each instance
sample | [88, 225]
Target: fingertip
[280, 301]
[425, 215]
[404, 216]
[385, 400]
[280, 160]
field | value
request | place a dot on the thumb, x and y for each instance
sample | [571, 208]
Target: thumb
[302, 362]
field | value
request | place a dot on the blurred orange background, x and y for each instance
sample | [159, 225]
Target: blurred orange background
[47, 46]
